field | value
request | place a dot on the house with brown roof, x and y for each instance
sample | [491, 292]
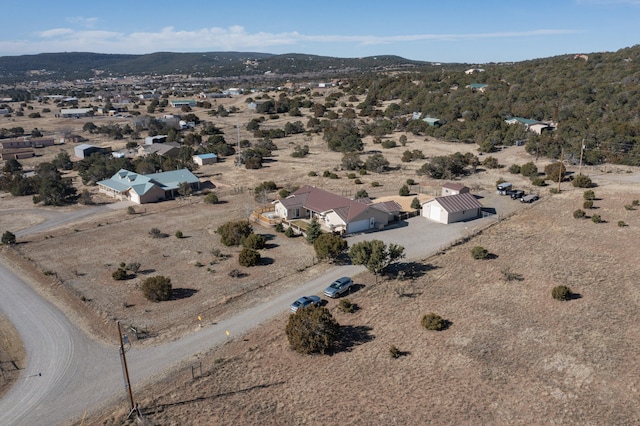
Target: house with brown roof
[452, 208]
[335, 213]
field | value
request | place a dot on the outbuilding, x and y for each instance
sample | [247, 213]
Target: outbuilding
[84, 150]
[452, 208]
[203, 159]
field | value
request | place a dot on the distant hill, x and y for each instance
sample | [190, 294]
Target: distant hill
[74, 65]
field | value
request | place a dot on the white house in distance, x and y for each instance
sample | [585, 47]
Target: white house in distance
[452, 208]
[334, 212]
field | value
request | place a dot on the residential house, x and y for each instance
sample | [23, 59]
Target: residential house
[170, 149]
[531, 125]
[453, 188]
[181, 103]
[334, 212]
[142, 189]
[76, 112]
[452, 208]
[478, 87]
[432, 121]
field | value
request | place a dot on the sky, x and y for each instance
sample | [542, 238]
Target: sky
[468, 31]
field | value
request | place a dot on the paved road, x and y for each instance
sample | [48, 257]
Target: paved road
[67, 373]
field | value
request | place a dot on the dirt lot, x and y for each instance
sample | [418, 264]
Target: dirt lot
[511, 355]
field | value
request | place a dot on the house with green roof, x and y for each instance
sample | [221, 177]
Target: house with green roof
[142, 189]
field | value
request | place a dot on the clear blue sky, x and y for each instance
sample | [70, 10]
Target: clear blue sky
[472, 31]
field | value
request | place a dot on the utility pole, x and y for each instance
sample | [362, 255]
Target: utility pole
[560, 168]
[581, 153]
[125, 371]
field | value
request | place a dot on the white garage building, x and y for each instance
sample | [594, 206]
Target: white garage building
[452, 208]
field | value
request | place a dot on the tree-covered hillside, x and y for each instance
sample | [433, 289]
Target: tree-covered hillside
[592, 98]
[79, 65]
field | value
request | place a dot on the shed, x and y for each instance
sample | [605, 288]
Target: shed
[453, 188]
[452, 208]
[84, 150]
[202, 159]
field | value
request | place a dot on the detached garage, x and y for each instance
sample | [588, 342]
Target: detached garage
[452, 208]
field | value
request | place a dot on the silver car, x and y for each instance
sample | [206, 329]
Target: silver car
[305, 301]
[338, 287]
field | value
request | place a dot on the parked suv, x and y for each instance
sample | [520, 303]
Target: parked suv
[338, 287]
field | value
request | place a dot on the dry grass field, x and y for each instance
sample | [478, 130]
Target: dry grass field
[512, 354]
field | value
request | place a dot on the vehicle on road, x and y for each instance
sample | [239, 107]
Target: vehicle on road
[529, 198]
[305, 301]
[338, 287]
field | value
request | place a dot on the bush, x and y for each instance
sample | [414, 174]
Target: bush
[351, 176]
[233, 233]
[415, 203]
[588, 204]
[514, 169]
[529, 170]
[411, 182]
[120, 274]
[628, 207]
[346, 306]
[635, 203]
[179, 234]
[579, 214]
[312, 330]
[589, 195]
[131, 210]
[582, 181]
[389, 143]
[562, 292]
[235, 273]
[157, 289]
[289, 233]
[326, 173]
[433, 322]
[362, 194]
[362, 172]
[555, 171]
[279, 227]
[211, 198]
[312, 174]
[357, 182]
[479, 253]
[404, 191]
[329, 246]
[8, 238]
[375, 184]
[255, 241]
[156, 233]
[395, 352]
[596, 218]
[621, 223]
[249, 257]
[538, 182]
[491, 163]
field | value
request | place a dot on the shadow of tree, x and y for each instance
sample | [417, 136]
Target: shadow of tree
[351, 336]
[408, 270]
[182, 293]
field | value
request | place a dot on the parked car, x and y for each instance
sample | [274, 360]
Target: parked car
[305, 301]
[529, 198]
[338, 287]
[517, 194]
